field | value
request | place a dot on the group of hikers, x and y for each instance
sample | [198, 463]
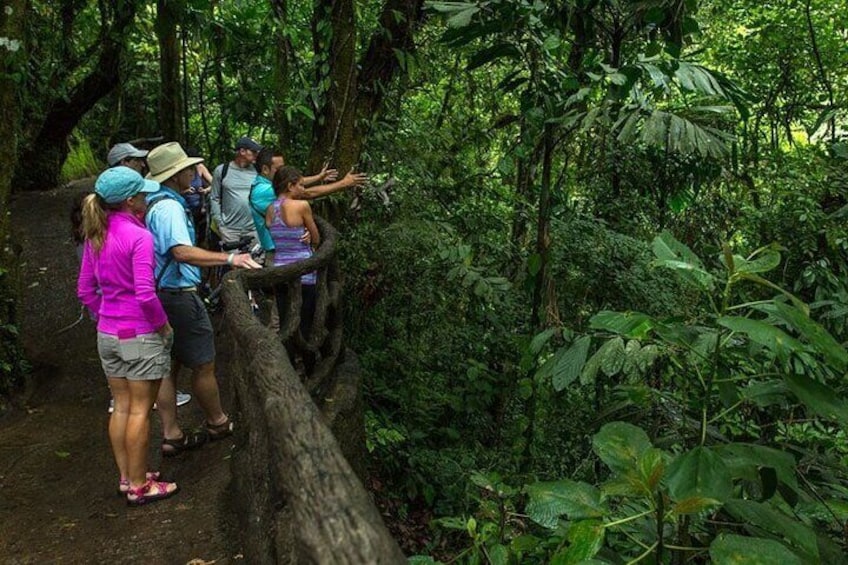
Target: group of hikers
[141, 271]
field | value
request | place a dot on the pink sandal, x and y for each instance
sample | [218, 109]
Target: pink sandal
[151, 491]
[124, 483]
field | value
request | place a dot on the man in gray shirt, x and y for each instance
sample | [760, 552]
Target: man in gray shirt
[231, 190]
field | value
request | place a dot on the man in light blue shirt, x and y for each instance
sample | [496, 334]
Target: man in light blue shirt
[178, 263]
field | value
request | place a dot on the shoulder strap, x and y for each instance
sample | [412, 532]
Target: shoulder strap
[224, 172]
[170, 258]
[250, 201]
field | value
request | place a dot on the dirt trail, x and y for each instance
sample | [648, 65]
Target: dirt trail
[58, 501]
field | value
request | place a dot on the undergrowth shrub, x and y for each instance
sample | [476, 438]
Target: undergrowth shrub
[80, 162]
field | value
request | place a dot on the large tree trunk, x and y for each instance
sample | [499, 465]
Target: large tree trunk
[354, 97]
[282, 77]
[41, 162]
[379, 65]
[170, 103]
[334, 43]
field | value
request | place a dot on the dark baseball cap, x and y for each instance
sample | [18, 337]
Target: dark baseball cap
[248, 143]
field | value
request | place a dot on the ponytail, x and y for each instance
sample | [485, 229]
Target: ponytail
[94, 221]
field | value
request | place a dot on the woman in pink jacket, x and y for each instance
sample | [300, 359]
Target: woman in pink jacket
[134, 338]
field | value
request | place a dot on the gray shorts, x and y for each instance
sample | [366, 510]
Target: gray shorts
[144, 357]
[194, 339]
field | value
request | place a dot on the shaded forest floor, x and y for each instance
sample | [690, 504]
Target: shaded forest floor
[57, 477]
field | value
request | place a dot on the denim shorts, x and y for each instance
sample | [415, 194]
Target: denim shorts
[145, 357]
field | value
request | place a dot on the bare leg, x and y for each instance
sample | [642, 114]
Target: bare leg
[137, 440]
[166, 402]
[118, 422]
[205, 387]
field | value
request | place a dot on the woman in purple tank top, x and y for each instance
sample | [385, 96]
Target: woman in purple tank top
[286, 219]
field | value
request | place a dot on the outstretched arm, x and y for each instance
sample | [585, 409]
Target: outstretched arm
[326, 175]
[350, 179]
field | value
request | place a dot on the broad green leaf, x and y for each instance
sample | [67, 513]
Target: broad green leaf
[699, 472]
[540, 339]
[767, 283]
[489, 54]
[765, 393]
[818, 397]
[704, 346]
[651, 468]
[585, 539]
[634, 325]
[611, 356]
[460, 12]
[642, 479]
[620, 445]
[646, 357]
[571, 363]
[743, 460]
[765, 262]
[814, 333]
[590, 369]
[525, 543]
[550, 500]
[769, 518]
[775, 339]
[677, 334]
[498, 554]
[730, 549]
[698, 276]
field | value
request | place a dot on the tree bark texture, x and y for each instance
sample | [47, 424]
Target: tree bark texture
[354, 97]
[299, 498]
[41, 161]
[282, 76]
[334, 44]
[170, 100]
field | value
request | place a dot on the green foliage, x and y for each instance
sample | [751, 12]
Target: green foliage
[13, 364]
[700, 483]
[81, 162]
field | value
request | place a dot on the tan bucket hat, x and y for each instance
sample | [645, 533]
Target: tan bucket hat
[168, 159]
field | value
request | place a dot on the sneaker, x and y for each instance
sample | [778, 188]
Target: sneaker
[183, 398]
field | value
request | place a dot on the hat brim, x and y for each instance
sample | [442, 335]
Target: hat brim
[138, 153]
[150, 186]
[174, 169]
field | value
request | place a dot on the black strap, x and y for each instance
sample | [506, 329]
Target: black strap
[224, 172]
[170, 258]
[250, 201]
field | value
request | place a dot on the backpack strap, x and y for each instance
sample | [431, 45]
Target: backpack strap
[170, 258]
[224, 172]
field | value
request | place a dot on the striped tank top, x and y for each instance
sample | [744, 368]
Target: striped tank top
[288, 247]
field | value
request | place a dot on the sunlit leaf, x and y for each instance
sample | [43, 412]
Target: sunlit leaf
[550, 500]
[620, 445]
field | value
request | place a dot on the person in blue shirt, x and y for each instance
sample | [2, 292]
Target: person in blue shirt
[178, 262]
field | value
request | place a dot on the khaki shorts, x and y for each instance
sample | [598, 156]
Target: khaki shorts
[144, 357]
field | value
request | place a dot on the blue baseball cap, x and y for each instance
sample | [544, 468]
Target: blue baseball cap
[119, 183]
